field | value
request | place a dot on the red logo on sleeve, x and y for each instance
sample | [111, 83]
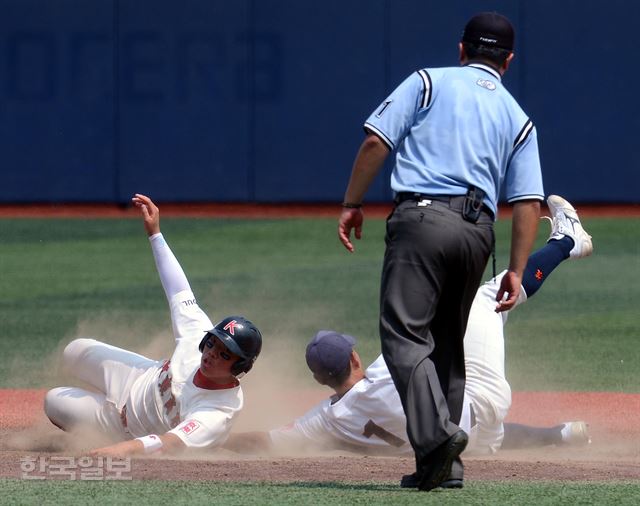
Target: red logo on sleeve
[190, 426]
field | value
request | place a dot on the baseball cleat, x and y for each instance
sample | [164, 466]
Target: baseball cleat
[575, 433]
[440, 461]
[412, 481]
[565, 222]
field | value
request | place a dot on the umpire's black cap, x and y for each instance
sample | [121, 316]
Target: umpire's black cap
[489, 29]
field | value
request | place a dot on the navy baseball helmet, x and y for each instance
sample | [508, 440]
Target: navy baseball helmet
[241, 337]
[329, 353]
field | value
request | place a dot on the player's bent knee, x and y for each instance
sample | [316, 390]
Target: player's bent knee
[74, 351]
[502, 402]
[52, 408]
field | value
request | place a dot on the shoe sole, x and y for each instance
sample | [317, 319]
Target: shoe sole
[455, 446]
[453, 483]
[586, 247]
[412, 482]
[580, 434]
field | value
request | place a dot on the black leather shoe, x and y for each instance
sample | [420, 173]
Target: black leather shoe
[438, 468]
[411, 481]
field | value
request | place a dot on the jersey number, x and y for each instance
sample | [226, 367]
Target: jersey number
[373, 429]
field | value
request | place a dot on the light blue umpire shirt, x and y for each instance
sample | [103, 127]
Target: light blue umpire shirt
[458, 126]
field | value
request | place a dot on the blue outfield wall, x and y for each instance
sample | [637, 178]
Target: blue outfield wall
[264, 100]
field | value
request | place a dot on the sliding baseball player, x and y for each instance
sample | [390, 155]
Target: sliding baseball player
[141, 405]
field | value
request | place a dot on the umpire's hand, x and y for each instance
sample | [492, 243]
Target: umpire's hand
[509, 287]
[350, 219]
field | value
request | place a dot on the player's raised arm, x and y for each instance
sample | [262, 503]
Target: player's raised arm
[171, 274]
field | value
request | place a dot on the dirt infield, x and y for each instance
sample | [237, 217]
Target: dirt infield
[614, 453]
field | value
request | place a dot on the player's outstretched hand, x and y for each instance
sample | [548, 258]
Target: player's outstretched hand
[509, 287]
[150, 213]
[350, 219]
[118, 450]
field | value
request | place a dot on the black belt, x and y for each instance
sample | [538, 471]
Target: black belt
[454, 202]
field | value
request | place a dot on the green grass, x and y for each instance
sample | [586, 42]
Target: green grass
[333, 493]
[62, 278]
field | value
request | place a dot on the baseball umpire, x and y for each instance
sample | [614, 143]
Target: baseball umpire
[458, 137]
[144, 405]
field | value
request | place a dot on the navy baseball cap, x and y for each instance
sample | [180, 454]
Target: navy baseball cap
[489, 29]
[329, 352]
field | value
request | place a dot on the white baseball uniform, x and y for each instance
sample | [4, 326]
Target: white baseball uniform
[369, 418]
[487, 394]
[138, 396]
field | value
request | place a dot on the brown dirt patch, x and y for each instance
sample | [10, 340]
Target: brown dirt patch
[613, 455]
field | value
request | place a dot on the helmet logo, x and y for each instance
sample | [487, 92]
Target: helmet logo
[231, 327]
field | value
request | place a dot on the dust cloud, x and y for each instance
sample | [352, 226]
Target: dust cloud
[278, 389]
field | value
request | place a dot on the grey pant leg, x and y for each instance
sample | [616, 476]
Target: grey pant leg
[432, 268]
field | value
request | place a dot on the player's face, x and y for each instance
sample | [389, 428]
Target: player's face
[217, 360]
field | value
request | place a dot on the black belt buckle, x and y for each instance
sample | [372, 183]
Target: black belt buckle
[473, 202]
[402, 196]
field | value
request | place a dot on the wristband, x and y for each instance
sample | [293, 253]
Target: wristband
[151, 443]
[351, 205]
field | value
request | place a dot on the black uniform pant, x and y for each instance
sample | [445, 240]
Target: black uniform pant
[433, 265]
